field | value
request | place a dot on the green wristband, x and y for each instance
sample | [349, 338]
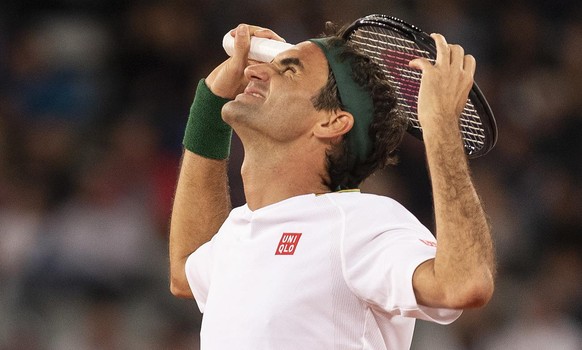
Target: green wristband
[206, 133]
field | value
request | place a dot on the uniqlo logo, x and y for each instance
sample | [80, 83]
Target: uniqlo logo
[288, 244]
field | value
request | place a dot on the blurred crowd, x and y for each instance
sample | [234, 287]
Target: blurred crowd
[94, 97]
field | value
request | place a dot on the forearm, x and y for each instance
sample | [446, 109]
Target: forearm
[202, 201]
[201, 204]
[464, 265]
[462, 272]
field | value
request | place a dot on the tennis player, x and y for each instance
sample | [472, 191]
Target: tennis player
[310, 262]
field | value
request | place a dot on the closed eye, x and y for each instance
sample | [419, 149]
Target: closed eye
[290, 64]
[289, 68]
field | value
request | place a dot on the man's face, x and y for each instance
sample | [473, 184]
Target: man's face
[277, 102]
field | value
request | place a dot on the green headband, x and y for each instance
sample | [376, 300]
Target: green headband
[356, 100]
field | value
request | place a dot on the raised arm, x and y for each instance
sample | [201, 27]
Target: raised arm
[462, 273]
[202, 200]
[201, 205]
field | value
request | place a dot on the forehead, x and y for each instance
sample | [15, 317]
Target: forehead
[312, 58]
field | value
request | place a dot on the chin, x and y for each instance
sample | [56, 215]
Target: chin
[237, 113]
[230, 112]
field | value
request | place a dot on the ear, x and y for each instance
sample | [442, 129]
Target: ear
[334, 124]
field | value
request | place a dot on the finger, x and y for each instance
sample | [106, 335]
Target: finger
[242, 45]
[261, 33]
[252, 29]
[457, 55]
[420, 63]
[469, 64]
[267, 33]
[443, 51]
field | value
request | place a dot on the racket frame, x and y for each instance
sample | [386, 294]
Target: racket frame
[425, 42]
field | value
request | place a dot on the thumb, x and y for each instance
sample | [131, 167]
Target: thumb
[242, 44]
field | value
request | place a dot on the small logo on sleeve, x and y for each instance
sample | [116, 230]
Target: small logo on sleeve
[428, 243]
[288, 244]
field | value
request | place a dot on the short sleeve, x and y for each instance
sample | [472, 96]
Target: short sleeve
[380, 254]
[198, 267]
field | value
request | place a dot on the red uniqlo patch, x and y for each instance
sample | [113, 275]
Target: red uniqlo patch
[288, 244]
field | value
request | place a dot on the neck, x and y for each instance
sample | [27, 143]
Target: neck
[272, 176]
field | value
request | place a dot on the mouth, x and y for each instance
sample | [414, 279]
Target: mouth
[254, 92]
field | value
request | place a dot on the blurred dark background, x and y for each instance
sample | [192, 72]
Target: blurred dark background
[94, 97]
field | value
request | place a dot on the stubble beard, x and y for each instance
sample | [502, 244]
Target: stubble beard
[240, 116]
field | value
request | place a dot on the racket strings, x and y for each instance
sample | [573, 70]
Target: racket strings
[392, 52]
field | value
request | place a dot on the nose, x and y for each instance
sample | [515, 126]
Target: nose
[260, 71]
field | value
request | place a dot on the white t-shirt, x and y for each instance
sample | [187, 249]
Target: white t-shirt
[330, 271]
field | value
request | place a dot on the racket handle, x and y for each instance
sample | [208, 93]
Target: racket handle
[262, 49]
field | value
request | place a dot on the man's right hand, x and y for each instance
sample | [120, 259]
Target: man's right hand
[228, 80]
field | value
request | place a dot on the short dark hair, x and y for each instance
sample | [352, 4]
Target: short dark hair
[386, 130]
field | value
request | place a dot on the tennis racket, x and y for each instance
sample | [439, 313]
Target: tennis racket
[392, 44]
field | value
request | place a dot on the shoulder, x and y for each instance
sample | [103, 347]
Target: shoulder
[366, 205]
[374, 216]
